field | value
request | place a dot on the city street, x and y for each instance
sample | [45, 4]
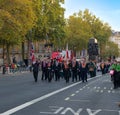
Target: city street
[59, 57]
[20, 95]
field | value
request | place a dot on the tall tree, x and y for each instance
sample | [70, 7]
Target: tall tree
[111, 49]
[83, 25]
[50, 20]
[18, 18]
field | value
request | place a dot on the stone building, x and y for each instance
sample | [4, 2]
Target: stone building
[115, 37]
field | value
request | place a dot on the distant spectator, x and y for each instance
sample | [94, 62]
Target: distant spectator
[35, 70]
[14, 60]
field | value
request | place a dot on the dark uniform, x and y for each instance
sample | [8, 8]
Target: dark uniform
[74, 70]
[44, 70]
[91, 68]
[66, 72]
[84, 71]
[35, 70]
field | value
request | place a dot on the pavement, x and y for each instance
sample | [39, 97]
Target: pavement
[12, 74]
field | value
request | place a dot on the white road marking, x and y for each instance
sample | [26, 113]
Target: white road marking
[111, 88]
[27, 104]
[77, 91]
[91, 113]
[94, 87]
[110, 110]
[13, 110]
[84, 86]
[66, 99]
[105, 88]
[113, 91]
[71, 110]
[80, 100]
[81, 89]
[98, 87]
[119, 112]
[73, 95]
[48, 113]
[88, 87]
[101, 91]
[54, 110]
[97, 90]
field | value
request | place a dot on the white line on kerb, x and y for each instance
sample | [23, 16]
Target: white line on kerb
[13, 110]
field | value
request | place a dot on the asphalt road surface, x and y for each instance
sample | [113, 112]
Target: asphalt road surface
[20, 95]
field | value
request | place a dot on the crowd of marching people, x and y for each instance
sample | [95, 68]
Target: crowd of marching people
[66, 69]
[53, 69]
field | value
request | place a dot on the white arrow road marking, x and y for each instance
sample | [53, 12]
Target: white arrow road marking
[90, 111]
[15, 109]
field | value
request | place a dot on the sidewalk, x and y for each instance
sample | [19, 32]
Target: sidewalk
[12, 74]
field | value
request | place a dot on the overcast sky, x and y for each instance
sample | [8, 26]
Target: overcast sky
[107, 10]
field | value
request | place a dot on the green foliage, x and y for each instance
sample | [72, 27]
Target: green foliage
[50, 23]
[44, 20]
[110, 49]
[84, 25]
[18, 17]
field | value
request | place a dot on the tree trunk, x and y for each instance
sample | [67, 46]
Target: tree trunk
[23, 51]
[3, 52]
[8, 53]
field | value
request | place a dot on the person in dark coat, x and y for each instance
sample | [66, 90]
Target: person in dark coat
[56, 67]
[91, 68]
[119, 104]
[44, 69]
[103, 66]
[35, 70]
[84, 71]
[66, 71]
[79, 70]
[74, 70]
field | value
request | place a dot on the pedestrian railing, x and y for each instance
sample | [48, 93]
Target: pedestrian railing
[9, 70]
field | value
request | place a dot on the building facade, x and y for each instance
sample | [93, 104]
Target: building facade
[115, 37]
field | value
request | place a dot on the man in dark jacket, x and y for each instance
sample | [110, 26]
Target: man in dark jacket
[84, 71]
[74, 70]
[44, 69]
[35, 70]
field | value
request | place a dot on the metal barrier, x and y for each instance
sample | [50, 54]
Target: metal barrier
[8, 70]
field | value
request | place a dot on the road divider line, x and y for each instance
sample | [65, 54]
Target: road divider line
[20, 107]
[80, 100]
[66, 99]
[72, 95]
